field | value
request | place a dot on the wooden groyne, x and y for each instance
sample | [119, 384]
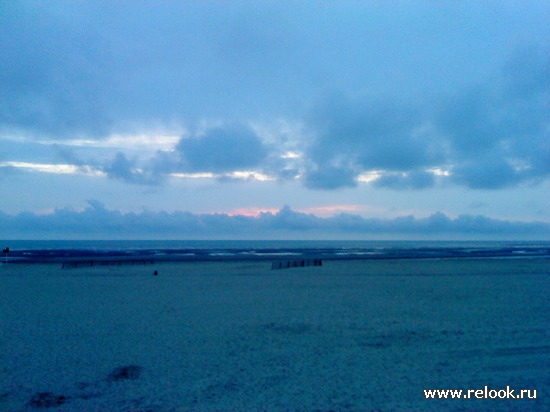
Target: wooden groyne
[297, 263]
[71, 264]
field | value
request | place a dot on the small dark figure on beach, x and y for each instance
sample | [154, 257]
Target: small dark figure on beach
[156, 272]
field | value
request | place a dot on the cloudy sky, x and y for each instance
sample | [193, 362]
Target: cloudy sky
[371, 119]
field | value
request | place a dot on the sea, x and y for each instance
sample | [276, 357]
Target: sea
[32, 251]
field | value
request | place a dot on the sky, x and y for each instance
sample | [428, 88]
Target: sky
[275, 119]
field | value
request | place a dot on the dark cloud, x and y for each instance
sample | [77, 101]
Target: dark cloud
[90, 69]
[487, 137]
[67, 155]
[126, 170]
[74, 70]
[222, 150]
[355, 135]
[98, 222]
[330, 177]
[86, 68]
[527, 72]
[409, 180]
[499, 136]
[467, 119]
[486, 173]
[53, 72]
[283, 172]
[369, 133]
[218, 151]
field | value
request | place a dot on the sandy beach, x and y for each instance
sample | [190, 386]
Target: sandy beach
[208, 336]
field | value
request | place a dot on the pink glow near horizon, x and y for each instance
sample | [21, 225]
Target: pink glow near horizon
[252, 212]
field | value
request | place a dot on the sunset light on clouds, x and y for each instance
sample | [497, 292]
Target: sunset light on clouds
[341, 110]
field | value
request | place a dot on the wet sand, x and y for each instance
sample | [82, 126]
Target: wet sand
[350, 335]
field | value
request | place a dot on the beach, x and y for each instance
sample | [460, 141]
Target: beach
[355, 335]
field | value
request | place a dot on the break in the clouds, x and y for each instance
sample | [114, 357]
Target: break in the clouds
[340, 100]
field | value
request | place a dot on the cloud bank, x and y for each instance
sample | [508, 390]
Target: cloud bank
[472, 114]
[216, 106]
[482, 137]
[98, 222]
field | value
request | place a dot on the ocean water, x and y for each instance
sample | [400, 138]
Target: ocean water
[33, 250]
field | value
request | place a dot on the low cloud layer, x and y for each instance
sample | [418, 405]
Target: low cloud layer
[98, 222]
